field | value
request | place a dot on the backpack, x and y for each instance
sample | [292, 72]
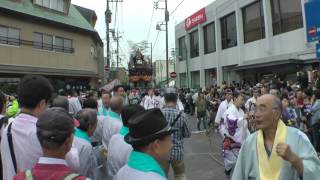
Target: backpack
[68, 176]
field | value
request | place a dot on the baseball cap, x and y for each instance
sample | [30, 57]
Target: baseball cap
[55, 124]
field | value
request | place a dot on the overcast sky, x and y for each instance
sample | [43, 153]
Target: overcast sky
[134, 19]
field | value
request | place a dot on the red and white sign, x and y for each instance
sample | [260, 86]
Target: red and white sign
[196, 19]
[173, 75]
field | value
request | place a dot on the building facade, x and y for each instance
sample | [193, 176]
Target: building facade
[53, 38]
[243, 40]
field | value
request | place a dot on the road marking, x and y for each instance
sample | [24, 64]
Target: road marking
[198, 132]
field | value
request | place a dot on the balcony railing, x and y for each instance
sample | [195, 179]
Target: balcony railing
[36, 45]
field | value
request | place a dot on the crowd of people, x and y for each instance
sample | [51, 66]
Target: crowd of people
[93, 135]
[236, 112]
[270, 130]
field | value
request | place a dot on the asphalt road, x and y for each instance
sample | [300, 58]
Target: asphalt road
[203, 160]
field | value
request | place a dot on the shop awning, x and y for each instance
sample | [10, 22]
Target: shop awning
[269, 64]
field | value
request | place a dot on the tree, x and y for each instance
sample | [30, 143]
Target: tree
[142, 46]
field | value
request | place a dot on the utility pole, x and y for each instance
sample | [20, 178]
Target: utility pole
[166, 14]
[117, 49]
[187, 64]
[108, 20]
[108, 15]
[151, 54]
[167, 46]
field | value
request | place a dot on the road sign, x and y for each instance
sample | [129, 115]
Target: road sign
[106, 68]
[318, 50]
[173, 75]
[312, 20]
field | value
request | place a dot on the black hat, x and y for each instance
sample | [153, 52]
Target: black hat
[147, 126]
[228, 91]
[255, 89]
[55, 124]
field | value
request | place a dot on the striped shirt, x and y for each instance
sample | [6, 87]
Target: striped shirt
[177, 137]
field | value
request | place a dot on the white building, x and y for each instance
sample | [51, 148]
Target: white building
[233, 40]
[160, 70]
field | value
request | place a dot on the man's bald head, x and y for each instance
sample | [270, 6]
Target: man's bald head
[62, 102]
[116, 104]
[273, 100]
[269, 110]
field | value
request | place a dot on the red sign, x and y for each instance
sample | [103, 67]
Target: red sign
[173, 75]
[197, 18]
[312, 31]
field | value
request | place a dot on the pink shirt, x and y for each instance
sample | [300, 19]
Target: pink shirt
[26, 146]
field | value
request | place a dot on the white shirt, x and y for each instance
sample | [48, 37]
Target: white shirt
[252, 100]
[195, 97]
[74, 105]
[180, 105]
[26, 146]
[157, 101]
[222, 108]
[111, 126]
[88, 161]
[100, 104]
[47, 160]
[1, 128]
[97, 135]
[149, 102]
[128, 173]
[118, 154]
[234, 120]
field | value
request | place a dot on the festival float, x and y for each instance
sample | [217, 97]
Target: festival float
[140, 71]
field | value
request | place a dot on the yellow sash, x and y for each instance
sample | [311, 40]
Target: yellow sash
[269, 168]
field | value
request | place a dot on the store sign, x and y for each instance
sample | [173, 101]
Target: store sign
[196, 19]
[312, 20]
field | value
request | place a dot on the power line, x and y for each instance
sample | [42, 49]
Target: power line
[121, 15]
[150, 25]
[176, 7]
[155, 42]
[115, 15]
